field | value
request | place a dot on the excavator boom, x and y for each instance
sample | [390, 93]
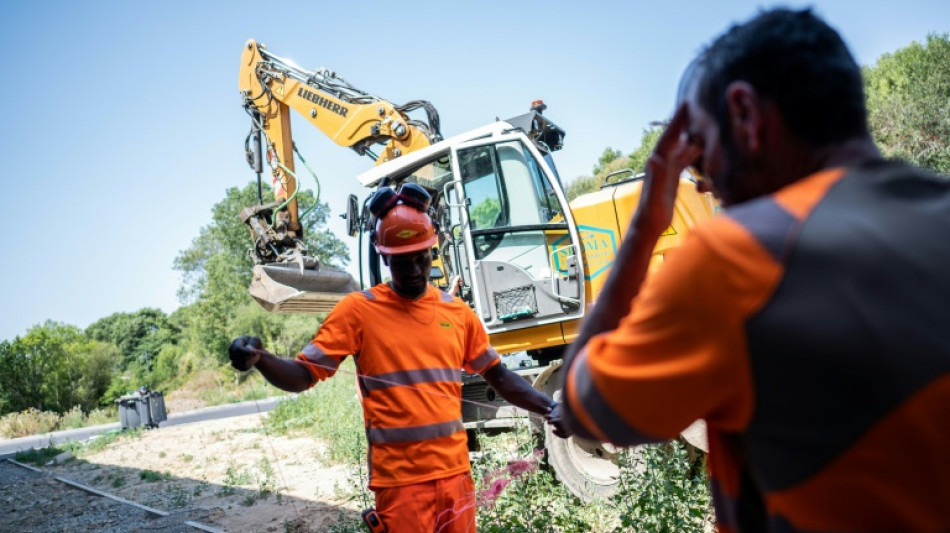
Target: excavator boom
[286, 277]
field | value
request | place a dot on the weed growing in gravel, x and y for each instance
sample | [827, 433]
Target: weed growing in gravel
[150, 476]
[178, 497]
[344, 524]
[199, 488]
[234, 477]
[38, 457]
[104, 440]
[266, 485]
[118, 482]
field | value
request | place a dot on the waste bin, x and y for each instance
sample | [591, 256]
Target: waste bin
[156, 408]
[143, 408]
[130, 412]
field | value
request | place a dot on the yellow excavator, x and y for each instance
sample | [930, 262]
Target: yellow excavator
[527, 262]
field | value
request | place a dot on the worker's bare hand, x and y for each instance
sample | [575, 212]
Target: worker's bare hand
[555, 418]
[245, 352]
[673, 153]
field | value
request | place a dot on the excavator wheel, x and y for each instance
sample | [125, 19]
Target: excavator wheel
[589, 469]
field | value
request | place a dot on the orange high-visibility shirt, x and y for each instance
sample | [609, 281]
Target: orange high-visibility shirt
[811, 330]
[409, 355]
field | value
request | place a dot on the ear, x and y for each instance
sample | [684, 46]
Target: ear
[745, 116]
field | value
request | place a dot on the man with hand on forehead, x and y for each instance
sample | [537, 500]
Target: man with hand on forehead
[409, 341]
[808, 325]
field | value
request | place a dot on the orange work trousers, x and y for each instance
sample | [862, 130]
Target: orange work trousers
[440, 506]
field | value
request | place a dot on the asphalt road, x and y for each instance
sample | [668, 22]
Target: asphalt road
[9, 447]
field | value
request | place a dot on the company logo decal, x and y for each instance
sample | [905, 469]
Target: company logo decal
[322, 102]
[407, 234]
[600, 247]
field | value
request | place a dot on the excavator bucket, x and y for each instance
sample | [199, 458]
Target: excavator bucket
[286, 288]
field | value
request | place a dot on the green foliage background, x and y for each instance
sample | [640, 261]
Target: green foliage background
[908, 98]
[57, 367]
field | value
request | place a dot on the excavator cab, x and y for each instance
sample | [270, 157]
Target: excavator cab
[507, 243]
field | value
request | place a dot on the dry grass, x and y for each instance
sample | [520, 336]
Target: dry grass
[29, 422]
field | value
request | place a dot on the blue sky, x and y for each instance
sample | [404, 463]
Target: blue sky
[123, 124]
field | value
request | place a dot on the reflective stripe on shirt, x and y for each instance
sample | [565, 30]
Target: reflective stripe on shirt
[414, 433]
[315, 355]
[482, 361]
[411, 377]
[607, 420]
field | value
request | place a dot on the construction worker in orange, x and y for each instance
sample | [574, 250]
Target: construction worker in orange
[409, 341]
[808, 324]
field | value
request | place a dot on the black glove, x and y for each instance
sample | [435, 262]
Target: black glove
[243, 352]
[555, 417]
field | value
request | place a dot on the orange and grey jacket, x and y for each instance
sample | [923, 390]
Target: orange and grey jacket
[811, 330]
[409, 355]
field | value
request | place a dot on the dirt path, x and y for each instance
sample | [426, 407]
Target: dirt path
[227, 470]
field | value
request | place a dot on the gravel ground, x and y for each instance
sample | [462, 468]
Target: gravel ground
[222, 473]
[35, 502]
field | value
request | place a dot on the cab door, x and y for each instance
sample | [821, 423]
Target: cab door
[521, 255]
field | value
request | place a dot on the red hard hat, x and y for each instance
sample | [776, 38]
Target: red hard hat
[404, 230]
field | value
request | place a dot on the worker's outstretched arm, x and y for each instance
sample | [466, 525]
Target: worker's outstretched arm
[516, 390]
[248, 352]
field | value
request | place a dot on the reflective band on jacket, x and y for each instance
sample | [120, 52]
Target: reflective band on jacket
[446, 297]
[608, 421]
[415, 433]
[411, 377]
[484, 359]
[316, 356]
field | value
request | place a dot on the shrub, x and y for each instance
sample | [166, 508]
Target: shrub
[662, 490]
[29, 422]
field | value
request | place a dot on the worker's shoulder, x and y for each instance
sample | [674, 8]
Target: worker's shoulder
[721, 237]
[449, 299]
[355, 301]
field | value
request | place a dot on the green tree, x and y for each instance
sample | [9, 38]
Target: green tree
[582, 185]
[612, 160]
[54, 367]
[605, 159]
[135, 334]
[638, 158]
[98, 360]
[908, 98]
[485, 214]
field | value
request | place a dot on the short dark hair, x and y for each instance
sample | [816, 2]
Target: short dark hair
[797, 61]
